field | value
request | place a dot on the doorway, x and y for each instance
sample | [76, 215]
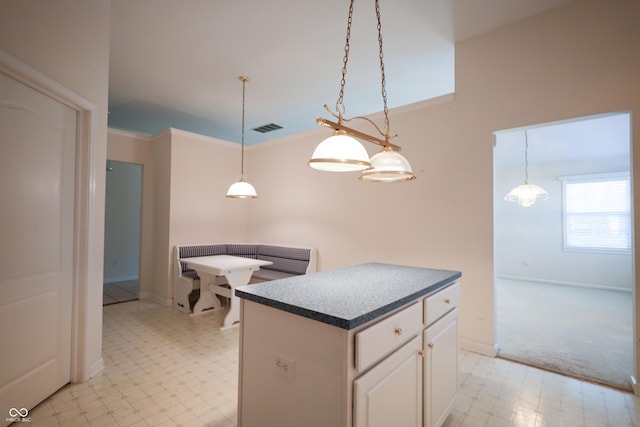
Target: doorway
[123, 209]
[564, 266]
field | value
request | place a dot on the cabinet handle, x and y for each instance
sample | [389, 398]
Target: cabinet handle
[447, 301]
[421, 353]
[430, 345]
[398, 331]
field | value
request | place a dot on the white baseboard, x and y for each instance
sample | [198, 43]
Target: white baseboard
[158, 300]
[634, 385]
[479, 348]
[563, 283]
[95, 368]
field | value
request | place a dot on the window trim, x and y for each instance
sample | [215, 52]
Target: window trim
[595, 177]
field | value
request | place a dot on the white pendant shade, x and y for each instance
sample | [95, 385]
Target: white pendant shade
[242, 190]
[340, 153]
[526, 194]
[388, 166]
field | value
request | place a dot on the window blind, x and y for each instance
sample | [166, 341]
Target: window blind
[597, 214]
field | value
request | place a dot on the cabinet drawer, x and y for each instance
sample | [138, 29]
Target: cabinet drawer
[441, 303]
[382, 338]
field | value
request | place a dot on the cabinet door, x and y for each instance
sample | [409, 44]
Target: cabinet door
[441, 369]
[390, 394]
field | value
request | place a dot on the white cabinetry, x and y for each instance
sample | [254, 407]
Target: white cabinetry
[441, 382]
[390, 394]
[387, 394]
[379, 340]
[440, 345]
[398, 369]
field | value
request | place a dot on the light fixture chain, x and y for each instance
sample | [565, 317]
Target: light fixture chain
[383, 79]
[242, 189]
[244, 83]
[526, 158]
[343, 152]
[347, 46]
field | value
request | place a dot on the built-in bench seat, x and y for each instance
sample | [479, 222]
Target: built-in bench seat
[287, 261]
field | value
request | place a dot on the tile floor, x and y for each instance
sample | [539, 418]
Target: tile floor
[113, 293]
[165, 368]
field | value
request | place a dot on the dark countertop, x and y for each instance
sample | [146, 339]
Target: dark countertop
[351, 296]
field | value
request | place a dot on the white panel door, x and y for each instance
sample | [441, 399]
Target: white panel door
[37, 171]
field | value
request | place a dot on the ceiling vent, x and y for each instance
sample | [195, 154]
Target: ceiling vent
[267, 128]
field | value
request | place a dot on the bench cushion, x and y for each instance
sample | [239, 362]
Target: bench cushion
[246, 251]
[287, 265]
[284, 252]
[191, 274]
[199, 250]
[287, 261]
[202, 250]
[270, 274]
[284, 259]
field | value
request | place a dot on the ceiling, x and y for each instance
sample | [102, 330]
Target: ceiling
[177, 63]
[587, 138]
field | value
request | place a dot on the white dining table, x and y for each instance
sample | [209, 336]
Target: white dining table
[237, 270]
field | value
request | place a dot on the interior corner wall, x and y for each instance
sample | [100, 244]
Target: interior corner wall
[160, 281]
[68, 42]
[134, 148]
[577, 60]
[202, 169]
[185, 179]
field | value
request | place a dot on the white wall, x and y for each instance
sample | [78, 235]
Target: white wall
[161, 269]
[192, 175]
[68, 41]
[202, 169]
[529, 241]
[578, 60]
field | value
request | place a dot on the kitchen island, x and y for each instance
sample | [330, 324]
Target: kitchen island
[367, 345]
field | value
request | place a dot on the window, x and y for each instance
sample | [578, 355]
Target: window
[597, 212]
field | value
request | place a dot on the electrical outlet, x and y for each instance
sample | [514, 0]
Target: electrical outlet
[284, 366]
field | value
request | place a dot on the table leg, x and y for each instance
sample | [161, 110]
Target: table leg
[208, 299]
[235, 279]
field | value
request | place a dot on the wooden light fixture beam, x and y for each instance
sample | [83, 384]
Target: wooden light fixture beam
[356, 133]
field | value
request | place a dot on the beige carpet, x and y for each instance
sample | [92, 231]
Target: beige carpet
[585, 333]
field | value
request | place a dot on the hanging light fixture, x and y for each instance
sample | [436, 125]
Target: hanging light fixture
[341, 152]
[242, 189]
[526, 194]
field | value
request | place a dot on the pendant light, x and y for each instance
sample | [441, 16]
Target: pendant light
[341, 152]
[526, 194]
[242, 189]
